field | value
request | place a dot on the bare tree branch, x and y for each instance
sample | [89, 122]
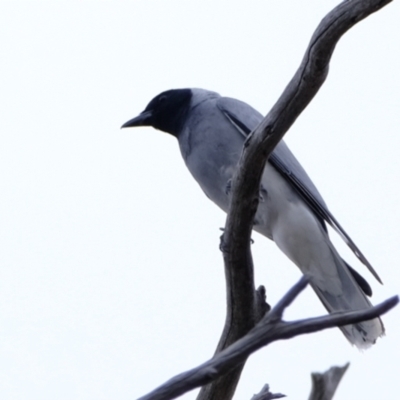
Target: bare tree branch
[324, 385]
[271, 328]
[265, 394]
[242, 311]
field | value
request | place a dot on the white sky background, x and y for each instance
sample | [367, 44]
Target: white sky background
[111, 280]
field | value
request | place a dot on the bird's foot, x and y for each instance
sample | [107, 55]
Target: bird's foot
[262, 193]
[228, 187]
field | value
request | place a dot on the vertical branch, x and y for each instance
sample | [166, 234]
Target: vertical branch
[241, 300]
[324, 385]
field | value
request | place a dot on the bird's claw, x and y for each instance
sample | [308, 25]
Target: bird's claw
[262, 192]
[228, 187]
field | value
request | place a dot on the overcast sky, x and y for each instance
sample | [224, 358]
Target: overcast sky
[111, 280]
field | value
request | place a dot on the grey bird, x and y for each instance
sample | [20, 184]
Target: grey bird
[211, 131]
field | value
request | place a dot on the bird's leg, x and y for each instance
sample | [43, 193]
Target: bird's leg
[262, 192]
[228, 187]
[247, 140]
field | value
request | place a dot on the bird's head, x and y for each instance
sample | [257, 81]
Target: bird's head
[166, 112]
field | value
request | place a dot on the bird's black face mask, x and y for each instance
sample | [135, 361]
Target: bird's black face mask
[166, 112]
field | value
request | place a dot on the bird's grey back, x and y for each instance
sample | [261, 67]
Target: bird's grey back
[250, 117]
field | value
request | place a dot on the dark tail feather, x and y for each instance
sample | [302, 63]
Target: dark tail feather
[361, 281]
[352, 298]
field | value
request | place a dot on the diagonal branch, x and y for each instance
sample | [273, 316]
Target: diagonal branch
[242, 307]
[268, 330]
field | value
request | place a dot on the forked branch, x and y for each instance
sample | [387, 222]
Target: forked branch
[271, 328]
[242, 308]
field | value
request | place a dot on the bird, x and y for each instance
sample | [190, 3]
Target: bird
[211, 131]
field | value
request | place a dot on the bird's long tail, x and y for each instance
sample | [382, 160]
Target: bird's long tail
[303, 239]
[350, 298]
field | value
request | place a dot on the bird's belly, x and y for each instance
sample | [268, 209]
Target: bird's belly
[276, 198]
[214, 174]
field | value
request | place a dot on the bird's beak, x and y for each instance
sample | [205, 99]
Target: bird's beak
[143, 119]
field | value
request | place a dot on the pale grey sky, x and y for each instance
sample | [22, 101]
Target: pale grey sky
[111, 280]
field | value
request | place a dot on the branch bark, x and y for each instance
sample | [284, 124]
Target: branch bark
[242, 308]
[265, 394]
[324, 385]
[271, 328]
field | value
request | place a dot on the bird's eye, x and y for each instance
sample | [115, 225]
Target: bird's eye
[162, 99]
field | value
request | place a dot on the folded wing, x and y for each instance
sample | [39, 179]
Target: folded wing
[245, 119]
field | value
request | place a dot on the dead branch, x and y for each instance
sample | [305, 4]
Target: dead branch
[324, 385]
[265, 394]
[242, 311]
[271, 328]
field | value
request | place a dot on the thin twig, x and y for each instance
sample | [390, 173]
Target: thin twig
[287, 300]
[265, 394]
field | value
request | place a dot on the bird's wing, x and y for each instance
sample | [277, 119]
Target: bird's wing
[245, 118]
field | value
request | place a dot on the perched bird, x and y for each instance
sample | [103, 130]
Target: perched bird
[211, 131]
